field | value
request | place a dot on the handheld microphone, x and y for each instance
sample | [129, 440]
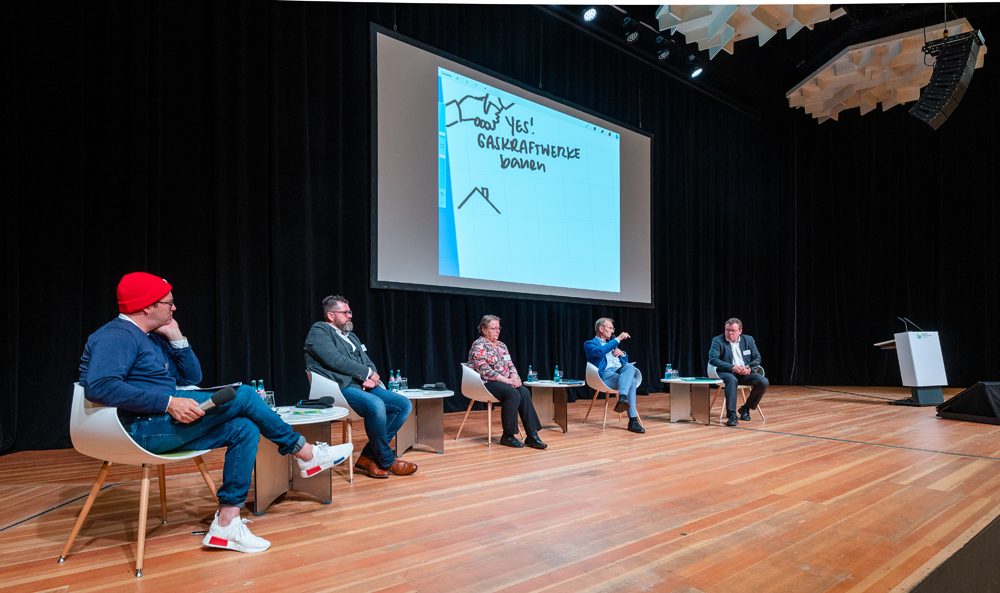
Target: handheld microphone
[329, 401]
[218, 398]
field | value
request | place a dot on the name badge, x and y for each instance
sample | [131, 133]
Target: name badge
[506, 357]
[746, 352]
[365, 348]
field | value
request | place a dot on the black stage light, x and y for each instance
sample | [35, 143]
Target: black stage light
[662, 48]
[631, 30]
[590, 14]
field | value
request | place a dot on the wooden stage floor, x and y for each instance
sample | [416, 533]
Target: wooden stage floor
[835, 492]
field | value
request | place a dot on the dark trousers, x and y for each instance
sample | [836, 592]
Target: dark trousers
[731, 380]
[514, 402]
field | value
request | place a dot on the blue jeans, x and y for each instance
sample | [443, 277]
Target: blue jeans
[625, 380]
[384, 412]
[237, 425]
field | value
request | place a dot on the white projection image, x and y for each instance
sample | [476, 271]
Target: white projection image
[526, 194]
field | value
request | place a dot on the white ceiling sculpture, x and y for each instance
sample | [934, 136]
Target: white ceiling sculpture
[890, 71]
[716, 28]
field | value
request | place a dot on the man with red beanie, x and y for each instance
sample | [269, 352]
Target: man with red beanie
[136, 362]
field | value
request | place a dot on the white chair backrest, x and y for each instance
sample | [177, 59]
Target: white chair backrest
[595, 382]
[473, 386]
[96, 432]
[320, 386]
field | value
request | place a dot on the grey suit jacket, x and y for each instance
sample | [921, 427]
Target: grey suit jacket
[720, 355]
[329, 355]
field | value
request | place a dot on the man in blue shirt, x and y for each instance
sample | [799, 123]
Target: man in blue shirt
[136, 362]
[612, 365]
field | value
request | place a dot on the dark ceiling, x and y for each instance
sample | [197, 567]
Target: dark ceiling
[755, 79]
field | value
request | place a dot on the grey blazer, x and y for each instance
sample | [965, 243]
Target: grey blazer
[329, 355]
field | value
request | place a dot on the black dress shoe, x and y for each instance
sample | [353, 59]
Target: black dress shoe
[744, 414]
[732, 420]
[634, 426]
[534, 442]
[509, 440]
[622, 405]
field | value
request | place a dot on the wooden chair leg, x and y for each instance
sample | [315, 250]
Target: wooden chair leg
[722, 413]
[161, 477]
[743, 394]
[86, 509]
[596, 393]
[464, 419]
[489, 424]
[347, 438]
[639, 418]
[208, 477]
[143, 509]
[607, 399]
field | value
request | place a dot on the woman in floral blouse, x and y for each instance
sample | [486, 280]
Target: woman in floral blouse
[491, 359]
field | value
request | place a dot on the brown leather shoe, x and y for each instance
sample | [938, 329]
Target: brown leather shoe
[402, 468]
[368, 467]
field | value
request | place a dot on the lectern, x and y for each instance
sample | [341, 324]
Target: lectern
[921, 366]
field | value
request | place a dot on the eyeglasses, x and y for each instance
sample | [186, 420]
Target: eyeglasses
[169, 304]
[347, 313]
[494, 329]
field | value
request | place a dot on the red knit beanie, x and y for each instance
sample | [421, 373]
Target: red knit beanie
[139, 289]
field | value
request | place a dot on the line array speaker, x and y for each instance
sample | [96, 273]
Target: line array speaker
[956, 62]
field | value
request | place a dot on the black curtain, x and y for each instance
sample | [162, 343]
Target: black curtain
[226, 147]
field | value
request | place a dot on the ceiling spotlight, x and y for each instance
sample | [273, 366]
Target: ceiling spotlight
[694, 69]
[662, 49]
[631, 30]
[590, 14]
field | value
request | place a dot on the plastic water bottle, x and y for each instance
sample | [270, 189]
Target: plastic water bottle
[555, 376]
[668, 373]
[260, 388]
[253, 384]
[392, 381]
[531, 374]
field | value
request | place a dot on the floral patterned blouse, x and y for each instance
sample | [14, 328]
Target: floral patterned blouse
[491, 360]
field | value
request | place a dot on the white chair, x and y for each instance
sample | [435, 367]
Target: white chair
[595, 382]
[320, 386]
[97, 432]
[474, 389]
[713, 373]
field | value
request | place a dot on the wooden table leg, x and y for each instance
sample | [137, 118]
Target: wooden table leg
[542, 398]
[701, 403]
[406, 436]
[321, 484]
[430, 423]
[680, 402]
[270, 476]
[559, 403]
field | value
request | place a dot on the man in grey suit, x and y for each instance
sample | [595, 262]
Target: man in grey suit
[735, 357]
[332, 350]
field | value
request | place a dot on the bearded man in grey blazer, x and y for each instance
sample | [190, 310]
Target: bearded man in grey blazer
[332, 350]
[735, 357]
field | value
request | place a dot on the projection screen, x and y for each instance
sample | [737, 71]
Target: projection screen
[482, 185]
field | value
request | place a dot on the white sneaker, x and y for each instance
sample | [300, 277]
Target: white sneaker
[324, 456]
[235, 536]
